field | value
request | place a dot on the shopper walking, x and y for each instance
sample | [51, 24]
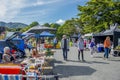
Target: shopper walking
[80, 45]
[92, 47]
[107, 45]
[65, 46]
[55, 42]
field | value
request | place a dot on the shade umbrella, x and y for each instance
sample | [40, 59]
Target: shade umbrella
[46, 34]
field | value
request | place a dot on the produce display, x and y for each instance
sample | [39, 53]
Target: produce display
[117, 47]
[43, 64]
[48, 51]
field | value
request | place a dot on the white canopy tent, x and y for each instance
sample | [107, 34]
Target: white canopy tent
[39, 29]
[89, 34]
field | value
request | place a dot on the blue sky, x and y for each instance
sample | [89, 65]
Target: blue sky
[42, 11]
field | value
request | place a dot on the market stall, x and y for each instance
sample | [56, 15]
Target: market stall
[113, 33]
[39, 67]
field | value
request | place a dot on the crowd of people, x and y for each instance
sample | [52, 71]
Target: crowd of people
[81, 45]
[65, 46]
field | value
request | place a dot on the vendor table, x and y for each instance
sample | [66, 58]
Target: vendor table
[100, 49]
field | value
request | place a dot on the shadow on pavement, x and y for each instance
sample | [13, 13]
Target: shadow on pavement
[97, 57]
[69, 70]
[114, 60]
[88, 62]
[56, 61]
[99, 62]
[73, 61]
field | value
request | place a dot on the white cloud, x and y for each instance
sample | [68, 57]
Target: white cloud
[60, 21]
[40, 2]
[10, 8]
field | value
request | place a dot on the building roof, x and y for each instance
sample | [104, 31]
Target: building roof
[108, 32]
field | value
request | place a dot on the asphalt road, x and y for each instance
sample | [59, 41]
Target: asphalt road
[95, 68]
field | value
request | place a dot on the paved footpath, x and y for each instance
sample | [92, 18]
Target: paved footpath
[93, 69]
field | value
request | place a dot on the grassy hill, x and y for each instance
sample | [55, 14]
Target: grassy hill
[13, 24]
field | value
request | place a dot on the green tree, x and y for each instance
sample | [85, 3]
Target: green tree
[9, 29]
[46, 24]
[34, 24]
[30, 26]
[18, 29]
[12, 29]
[98, 15]
[68, 28]
[78, 25]
[55, 25]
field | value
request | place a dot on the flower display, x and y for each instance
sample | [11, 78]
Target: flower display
[48, 49]
[48, 45]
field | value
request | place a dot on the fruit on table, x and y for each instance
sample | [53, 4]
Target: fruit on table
[117, 47]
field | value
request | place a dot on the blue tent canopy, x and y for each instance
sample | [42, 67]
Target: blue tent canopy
[46, 34]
